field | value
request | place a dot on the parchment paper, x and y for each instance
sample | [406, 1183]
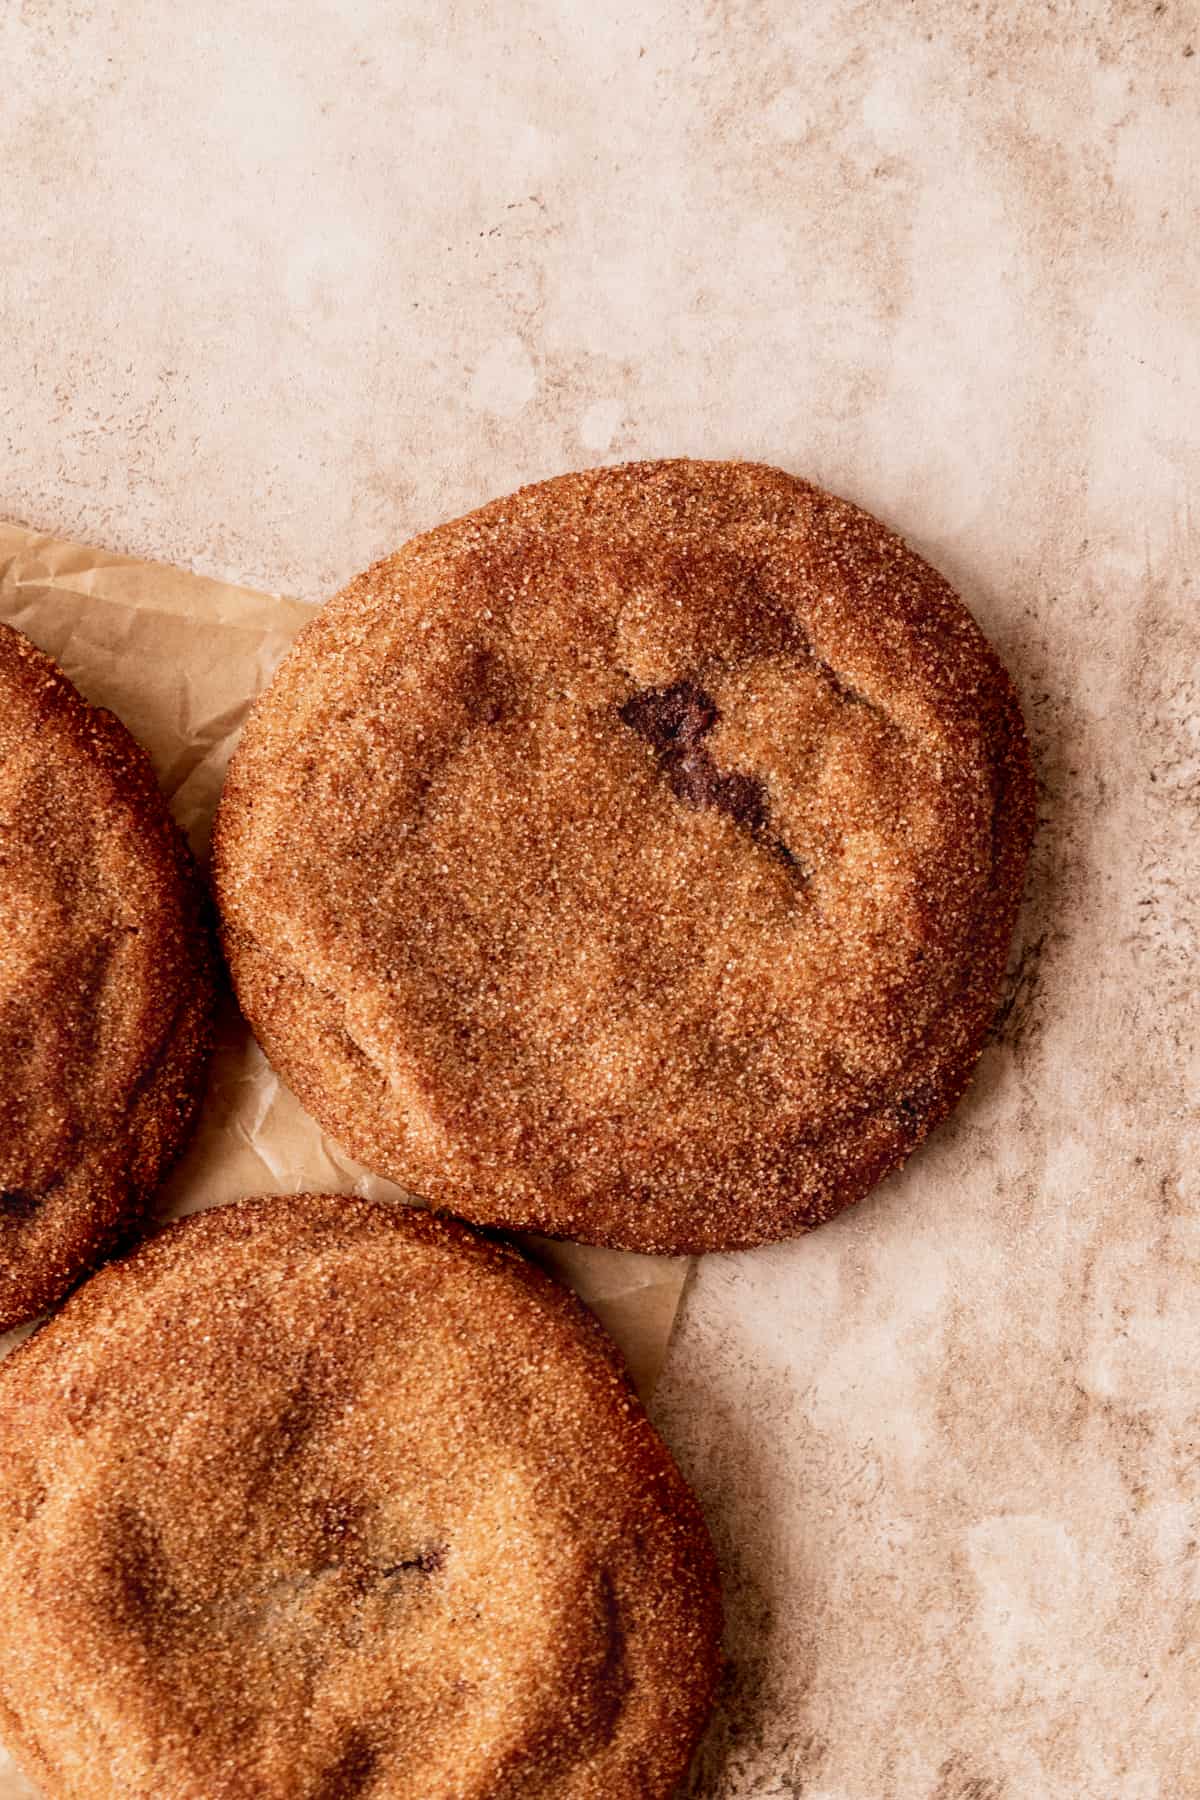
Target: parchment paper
[179, 658]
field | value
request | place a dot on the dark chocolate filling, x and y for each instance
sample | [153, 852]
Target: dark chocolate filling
[674, 721]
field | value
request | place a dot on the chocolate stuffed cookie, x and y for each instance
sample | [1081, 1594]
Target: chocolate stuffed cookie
[633, 860]
[308, 1499]
[106, 982]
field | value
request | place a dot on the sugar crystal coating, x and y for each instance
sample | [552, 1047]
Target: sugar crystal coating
[633, 860]
[106, 982]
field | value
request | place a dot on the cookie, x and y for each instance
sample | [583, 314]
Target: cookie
[633, 860]
[310, 1499]
[106, 983]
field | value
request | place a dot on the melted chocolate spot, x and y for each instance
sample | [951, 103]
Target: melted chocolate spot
[674, 721]
[17, 1203]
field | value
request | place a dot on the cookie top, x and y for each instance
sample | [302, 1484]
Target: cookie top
[309, 1499]
[106, 982]
[633, 860]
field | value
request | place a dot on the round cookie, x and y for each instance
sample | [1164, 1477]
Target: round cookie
[309, 1499]
[633, 860]
[106, 983]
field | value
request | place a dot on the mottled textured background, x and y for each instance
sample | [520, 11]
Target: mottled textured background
[283, 283]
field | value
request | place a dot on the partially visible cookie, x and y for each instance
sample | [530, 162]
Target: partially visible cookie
[106, 982]
[309, 1499]
[633, 860]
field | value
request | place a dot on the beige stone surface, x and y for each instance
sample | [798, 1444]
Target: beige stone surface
[283, 284]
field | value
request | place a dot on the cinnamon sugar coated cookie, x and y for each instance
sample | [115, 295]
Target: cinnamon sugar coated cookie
[106, 982]
[633, 860]
[308, 1499]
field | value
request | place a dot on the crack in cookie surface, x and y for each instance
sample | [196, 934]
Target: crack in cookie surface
[675, 721]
